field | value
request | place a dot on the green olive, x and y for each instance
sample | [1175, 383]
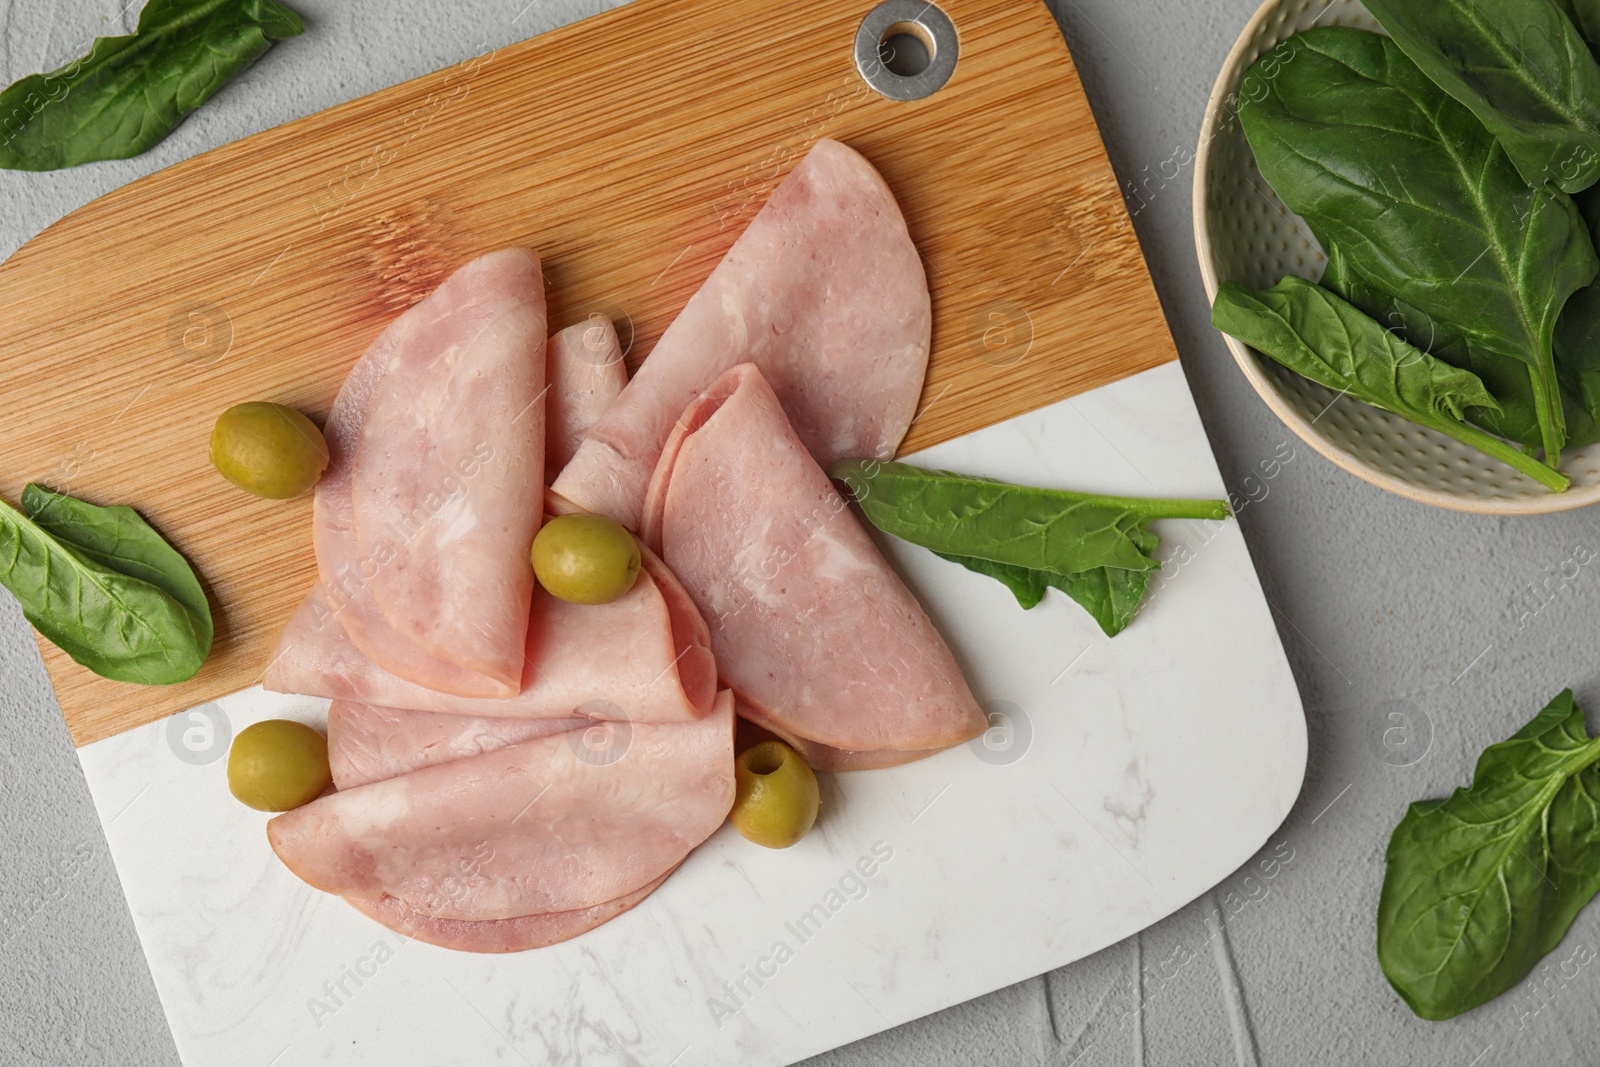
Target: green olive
[268, 449]
[277, 765]
[776, 799]
[585, 559]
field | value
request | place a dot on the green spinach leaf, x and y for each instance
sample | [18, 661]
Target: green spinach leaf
[1577, 336]
[1585, 14]
[1096, 549]
[1419, 198]
[1522, 67]
[1329, 340]
[1506, 379]
[130, 92]
[117, 626]
[1028, 586]
[1480, 886]
[1111, 595]
[119, 539]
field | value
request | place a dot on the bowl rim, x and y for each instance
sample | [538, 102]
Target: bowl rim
[1544, 504]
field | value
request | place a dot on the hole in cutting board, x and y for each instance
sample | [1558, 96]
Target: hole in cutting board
[906, 49]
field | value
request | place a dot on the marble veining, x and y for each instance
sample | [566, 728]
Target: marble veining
[1126, 778]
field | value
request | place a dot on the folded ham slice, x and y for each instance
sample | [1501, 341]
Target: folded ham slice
[501, 935]
[809, 624]
[424, 517]
[819, 756]
[825, 292]
[367, 743]
[584, 368]
[545, 825]
[645, 656]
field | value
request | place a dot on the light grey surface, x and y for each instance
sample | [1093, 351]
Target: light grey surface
[1467, 621]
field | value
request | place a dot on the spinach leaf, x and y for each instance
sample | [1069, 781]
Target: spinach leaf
[1096, 549]
[1578, 348]
[118, 626]
[1419, 198]
[1028, 586]
[1577, 336]
[120, 540]
[1518, 419]
[1327, 339]
[1111, 595]
[1522, 67]
[130, 92]
[1506, 379]
[1481, 885]
[1585, 14]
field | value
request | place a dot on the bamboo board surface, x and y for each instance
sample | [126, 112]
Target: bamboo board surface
[629, 150]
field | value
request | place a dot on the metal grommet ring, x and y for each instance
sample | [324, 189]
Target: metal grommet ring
[906, 77]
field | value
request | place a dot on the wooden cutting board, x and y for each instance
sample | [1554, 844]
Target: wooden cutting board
[629, 150]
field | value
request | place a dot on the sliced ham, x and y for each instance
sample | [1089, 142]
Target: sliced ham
[340, 567]
[584, 368]
[825, 292]
[367, 743]
[501, 935]
[424, 517]
[553, 824]
[819, 756]
[809, 624]
[645, 656]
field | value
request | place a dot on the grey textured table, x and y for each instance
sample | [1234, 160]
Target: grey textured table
[1463, 626]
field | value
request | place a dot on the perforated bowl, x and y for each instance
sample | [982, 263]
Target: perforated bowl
[1244, 233]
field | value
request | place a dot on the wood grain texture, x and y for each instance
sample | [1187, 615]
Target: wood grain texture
[629, 150]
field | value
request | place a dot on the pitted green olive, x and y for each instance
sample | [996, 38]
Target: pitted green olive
[268, 450]
[585, 559]
[277, 765]
[776, 797]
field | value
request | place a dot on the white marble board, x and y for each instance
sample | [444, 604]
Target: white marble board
[1122, 779]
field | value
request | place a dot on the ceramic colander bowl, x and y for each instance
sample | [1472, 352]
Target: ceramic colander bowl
[1244, 233]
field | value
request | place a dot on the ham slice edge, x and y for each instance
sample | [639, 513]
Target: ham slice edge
[825, 292]
[820, 757]
[809, 623]
[417, 547]
[645, 657]
[500, 935]
[585, 372]
[367, 743]
[546, 825]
